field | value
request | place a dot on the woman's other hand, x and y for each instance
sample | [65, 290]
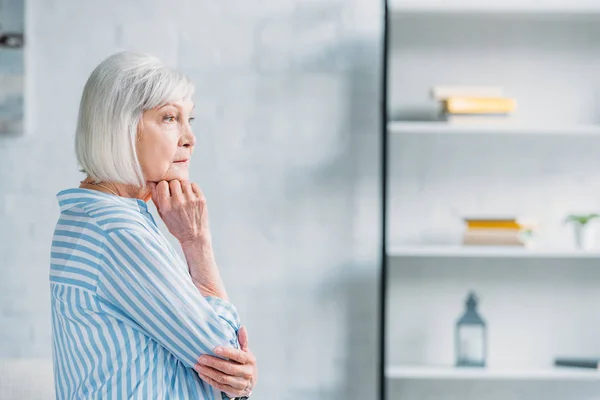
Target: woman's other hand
[182, 207]
[236, 376]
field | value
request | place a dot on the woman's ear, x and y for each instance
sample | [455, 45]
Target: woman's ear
[140, 126]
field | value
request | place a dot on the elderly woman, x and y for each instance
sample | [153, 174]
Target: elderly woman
[130, 318]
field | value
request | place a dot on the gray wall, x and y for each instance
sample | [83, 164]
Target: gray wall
[288, 155]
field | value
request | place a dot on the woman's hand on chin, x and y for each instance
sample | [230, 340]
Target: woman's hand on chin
[182, 207]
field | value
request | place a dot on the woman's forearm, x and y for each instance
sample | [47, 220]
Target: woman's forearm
[203, 268]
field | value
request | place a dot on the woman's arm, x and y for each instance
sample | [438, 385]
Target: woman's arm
[203, 268]
[182, 207]
[144, 285]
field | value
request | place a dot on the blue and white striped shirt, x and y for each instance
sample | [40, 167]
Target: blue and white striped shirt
[127, 321]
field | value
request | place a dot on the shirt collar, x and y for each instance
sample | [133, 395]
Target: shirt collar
[77, 196]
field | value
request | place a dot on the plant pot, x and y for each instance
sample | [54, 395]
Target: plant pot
[585, 236]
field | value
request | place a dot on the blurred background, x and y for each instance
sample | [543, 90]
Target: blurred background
[288, 128]
[404, 195]
[493, 191]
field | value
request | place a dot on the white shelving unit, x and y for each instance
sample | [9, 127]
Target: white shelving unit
[506, 373]
[440, 128]
[509, 6]
[488, 252]
[546, 54]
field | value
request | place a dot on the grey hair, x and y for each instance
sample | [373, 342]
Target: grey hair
[114, 98]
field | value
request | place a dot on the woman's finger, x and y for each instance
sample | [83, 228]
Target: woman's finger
[160, 193]
[188, 192]
[196, 189]
[243, 338]
[234, 382]
[175, 187]
[228, 390]
[241, 356]
[162, 189]
[228, 367]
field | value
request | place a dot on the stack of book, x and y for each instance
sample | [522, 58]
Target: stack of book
[577, 362]
[486, 231]
[468, 104]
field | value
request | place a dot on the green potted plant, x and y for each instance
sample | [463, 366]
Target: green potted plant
[584, 235]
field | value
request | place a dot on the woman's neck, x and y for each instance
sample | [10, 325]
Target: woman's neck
[118, 189]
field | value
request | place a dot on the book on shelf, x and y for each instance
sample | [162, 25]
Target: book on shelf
[591, 363]
[495, 237]
[487, 231]
[499, 223]
[473, 104]
[489, 106]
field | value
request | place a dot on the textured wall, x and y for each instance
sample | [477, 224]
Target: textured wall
[287, 126]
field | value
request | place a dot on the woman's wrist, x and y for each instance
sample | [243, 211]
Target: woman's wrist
[203, 268]
[211, 290]
[204, 241]
[199, 251]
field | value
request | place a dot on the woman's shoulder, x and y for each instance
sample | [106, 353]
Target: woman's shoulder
[107, 212]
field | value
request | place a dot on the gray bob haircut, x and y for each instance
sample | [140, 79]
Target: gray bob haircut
[114, 98]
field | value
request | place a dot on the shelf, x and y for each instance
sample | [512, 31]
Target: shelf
[441, 128]
[487, 252]
[452, 373]
[579, 7]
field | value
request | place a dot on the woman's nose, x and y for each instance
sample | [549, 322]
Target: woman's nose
[188, 138]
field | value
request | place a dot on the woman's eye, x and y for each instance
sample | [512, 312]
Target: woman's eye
[191, 120]
[169, 118]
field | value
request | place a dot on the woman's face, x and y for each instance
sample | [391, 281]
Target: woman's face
[166, 142]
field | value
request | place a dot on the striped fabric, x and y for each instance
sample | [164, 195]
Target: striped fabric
[127, 321]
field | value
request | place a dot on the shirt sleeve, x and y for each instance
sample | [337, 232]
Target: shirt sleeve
[144, 283]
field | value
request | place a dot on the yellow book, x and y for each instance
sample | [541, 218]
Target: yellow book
[478, 105]
[516, 223]
[495, 225]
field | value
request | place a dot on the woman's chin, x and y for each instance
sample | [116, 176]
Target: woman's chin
[179, 176]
